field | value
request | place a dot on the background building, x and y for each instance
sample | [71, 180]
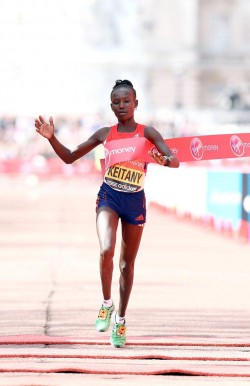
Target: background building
[61, 57]
[200, 53]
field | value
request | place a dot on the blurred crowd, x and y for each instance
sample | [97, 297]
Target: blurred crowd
[23, 150]
[19, 140]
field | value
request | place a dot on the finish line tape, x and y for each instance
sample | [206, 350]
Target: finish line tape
[186, 149]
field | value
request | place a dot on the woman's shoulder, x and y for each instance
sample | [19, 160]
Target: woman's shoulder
[142, 128]
[102, 133]
[149, 130]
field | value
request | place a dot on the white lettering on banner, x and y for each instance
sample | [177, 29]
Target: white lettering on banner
[129, 149]
[211, 147]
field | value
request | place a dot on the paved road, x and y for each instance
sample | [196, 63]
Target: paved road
[189, 310]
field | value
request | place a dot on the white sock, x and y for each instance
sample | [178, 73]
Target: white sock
[119, 319]
[107, 303]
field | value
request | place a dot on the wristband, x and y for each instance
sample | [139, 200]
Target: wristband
[168, 159]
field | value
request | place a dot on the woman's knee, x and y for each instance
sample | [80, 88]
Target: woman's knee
[106, 255]
[127, 268]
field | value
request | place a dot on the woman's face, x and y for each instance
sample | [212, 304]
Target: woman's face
[123, 103]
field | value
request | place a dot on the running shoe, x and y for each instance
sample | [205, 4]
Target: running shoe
[118, 336]
[103, 321]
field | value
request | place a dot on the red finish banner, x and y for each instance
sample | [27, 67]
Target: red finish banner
[209, 147]
[186, 149]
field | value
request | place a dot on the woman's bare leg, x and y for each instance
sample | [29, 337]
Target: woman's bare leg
[106, 224]
[131, 238]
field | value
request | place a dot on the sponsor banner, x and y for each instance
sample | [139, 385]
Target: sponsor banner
[186, 149]
[210, 147]
[224, 197]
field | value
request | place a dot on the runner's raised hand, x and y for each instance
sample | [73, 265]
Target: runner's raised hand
[45, 129]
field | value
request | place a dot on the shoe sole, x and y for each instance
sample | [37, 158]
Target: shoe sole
[117, 346]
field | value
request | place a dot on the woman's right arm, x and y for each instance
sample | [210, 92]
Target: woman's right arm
[68, 156]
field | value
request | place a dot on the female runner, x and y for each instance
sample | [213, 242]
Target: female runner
[119, 197]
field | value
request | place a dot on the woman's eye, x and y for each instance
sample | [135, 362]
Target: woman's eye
[117, 102]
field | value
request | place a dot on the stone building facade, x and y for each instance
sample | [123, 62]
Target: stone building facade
[200, 53]
[180, 54]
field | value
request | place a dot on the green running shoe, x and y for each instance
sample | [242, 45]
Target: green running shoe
[118, 336]
[103, 321]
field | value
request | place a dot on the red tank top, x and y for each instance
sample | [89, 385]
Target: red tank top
[127, 176]
[115, 134]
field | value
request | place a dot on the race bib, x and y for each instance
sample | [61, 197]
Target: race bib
[124, 179]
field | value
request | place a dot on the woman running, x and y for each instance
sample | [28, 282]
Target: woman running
[119, 197]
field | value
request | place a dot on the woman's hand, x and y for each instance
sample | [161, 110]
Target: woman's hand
[159, 158]
[45, 129]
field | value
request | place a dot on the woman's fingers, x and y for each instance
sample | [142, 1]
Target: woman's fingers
[37, 123]
[157, 156]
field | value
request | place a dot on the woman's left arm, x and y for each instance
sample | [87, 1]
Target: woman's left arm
[163, 156]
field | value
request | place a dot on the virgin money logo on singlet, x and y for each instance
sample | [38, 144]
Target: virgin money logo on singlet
[197, 149]
[237, 146]
[111, 155]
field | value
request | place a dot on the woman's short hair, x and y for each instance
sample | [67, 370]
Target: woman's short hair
[125, 83]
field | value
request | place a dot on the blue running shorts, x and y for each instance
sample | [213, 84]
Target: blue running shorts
[130, 207]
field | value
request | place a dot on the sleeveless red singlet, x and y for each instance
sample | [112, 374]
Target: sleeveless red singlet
[127, 176]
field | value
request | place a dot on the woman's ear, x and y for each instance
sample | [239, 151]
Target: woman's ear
[136, 103]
